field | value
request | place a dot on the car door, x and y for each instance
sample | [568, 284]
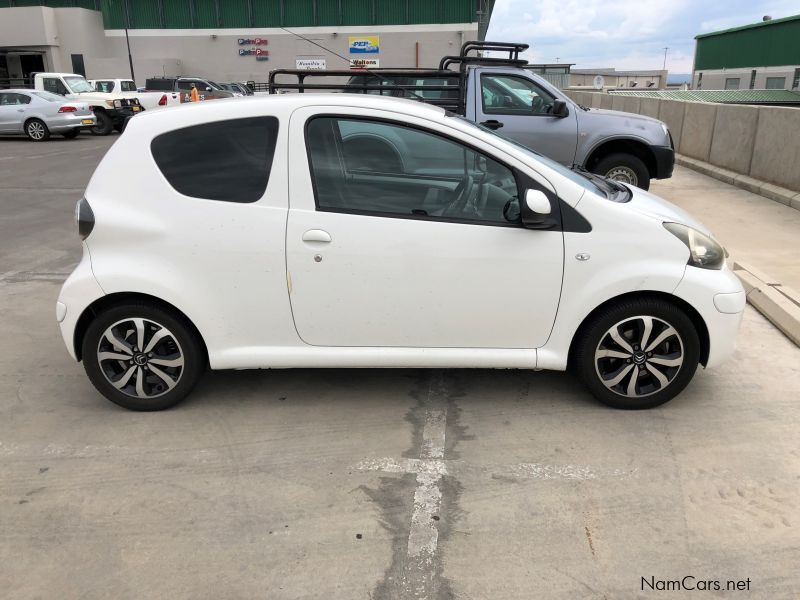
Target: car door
[519, 108]
[384, 250]
[12, 111]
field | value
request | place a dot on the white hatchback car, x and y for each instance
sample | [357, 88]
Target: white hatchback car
[343, 230]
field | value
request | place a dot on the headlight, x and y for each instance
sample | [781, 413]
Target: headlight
[117, 103]
[665, 129]
[704, 252]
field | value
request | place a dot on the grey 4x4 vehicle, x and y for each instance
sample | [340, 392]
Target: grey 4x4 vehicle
[502, 95]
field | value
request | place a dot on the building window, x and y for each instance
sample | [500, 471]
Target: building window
[732, 83]
[752, 79]
[776, 83]
[700, 81]
[796, 80]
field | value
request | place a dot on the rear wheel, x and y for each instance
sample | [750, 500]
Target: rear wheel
[71, 134]
[104, 124]
[36, 130]
[625, 168]
[142, 357]
[638, 354]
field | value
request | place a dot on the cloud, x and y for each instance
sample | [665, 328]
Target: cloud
[625, 34]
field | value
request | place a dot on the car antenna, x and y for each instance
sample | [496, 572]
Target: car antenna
[347, 60]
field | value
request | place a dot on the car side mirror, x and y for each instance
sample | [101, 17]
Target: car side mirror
[208, 89]
[560, 109]
[536, 209]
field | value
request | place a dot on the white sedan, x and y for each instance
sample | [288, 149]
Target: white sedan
[344, 230]
[37, 114]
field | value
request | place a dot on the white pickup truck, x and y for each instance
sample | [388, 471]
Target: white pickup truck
[110, 110]
[127, 88]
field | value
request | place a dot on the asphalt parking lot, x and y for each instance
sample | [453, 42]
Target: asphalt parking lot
[370, 483]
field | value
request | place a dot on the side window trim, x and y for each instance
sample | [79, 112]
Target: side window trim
[519, 178]
[493, 111]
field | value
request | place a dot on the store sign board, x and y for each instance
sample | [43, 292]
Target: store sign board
[364, 63]
[312, 64]
[364, 44]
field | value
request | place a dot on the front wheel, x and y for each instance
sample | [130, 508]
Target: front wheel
[637, 354]
[625, 168]
[104, 124]
[142, 357]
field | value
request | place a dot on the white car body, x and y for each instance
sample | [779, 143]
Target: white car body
[148, 100]
[264, 290]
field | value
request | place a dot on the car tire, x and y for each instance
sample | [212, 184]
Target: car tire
[637, 376]
[71, 134]
[104, 124]
[153, 377]
[625, 168]
[36, 130]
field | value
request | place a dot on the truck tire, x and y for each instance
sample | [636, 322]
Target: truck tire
[104, 123]
[625, 168]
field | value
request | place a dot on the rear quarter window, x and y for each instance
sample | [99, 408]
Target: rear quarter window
[228, 161]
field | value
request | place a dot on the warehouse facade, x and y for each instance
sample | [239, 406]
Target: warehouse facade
[763, 55]
[229, 40]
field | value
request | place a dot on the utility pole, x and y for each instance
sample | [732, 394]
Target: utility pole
[127, 40]
[664, 68]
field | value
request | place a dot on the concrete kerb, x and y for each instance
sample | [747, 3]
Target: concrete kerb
[779, 304]
[762, 188]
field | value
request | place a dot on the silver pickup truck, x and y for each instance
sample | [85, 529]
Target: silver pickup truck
[502, 95]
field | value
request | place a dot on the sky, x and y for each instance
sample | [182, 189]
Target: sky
[624, 34]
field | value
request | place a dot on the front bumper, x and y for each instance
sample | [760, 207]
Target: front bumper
[719, 298]
[665, 161]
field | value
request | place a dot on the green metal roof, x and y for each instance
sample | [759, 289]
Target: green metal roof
[751, 26]
[782, 97]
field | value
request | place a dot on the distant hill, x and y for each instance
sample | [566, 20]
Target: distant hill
[679, 78]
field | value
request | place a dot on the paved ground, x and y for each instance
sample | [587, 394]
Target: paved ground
[371, 484]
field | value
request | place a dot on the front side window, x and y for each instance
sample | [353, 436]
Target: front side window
[512, 95]
[185, 84]
[104, 86]
[229, 161]
[389, 169]
[732, 83]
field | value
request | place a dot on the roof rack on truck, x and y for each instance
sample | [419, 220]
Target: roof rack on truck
[444, 87]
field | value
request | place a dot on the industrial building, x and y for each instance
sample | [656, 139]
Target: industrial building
[763, 55]
[230, 40]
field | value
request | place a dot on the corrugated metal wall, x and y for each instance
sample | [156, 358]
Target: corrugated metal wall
[772, 45]
[184, 14]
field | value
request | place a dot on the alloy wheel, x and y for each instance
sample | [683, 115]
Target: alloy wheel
[140, 358]
[36, 130]
[639, 356]
[624, 175]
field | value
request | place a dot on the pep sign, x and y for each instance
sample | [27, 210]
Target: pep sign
[366, 44]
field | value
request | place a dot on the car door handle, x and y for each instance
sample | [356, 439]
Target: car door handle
[20, 110]
[317, 235]
[492, 124]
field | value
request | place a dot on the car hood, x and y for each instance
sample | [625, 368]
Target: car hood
[657, 208]
[602, 112]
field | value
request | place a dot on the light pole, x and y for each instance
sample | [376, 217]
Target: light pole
[664, 68]
[127, 40]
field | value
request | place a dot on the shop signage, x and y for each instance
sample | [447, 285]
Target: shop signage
[364, 63]
[364, 44]
[255, 48]
[312, 64]
[252, 42]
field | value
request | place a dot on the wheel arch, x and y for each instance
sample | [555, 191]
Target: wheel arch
[110, 300]
[623, 146]
[691, 312]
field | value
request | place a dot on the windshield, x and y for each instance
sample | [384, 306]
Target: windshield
[78, 84]
[47, 96]
[575, 176]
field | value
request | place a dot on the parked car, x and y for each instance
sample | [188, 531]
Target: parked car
[37, 114]
[499, 93]
[307, 233]
[240, 89]
[207, 89]
[111, 111]
[127, 88]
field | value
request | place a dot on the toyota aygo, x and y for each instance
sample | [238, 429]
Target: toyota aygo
[341, 230]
